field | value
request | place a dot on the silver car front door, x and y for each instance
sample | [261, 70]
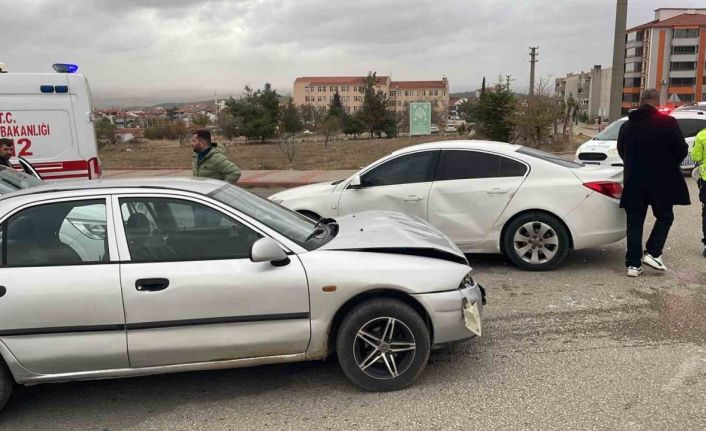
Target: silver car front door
[61, 310]
[400, 184]
[191, 292]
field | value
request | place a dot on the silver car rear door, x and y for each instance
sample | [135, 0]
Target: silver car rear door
[61, 310]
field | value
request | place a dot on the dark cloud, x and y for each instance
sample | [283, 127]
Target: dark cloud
[134, 47]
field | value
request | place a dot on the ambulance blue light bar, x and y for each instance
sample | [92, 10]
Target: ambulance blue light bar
[65, 68]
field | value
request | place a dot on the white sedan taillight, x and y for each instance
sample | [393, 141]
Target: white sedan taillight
[608, 188]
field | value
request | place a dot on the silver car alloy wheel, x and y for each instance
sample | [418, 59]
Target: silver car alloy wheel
[384, 348]
[536, 242]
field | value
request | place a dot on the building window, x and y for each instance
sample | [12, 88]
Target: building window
[633, 67]
[320, 98]
[634, 52]
[633, 82]
[686, 33]
[680, 82]
[306, 98]
[399, 103]
[406, 93]
[686, 97]
[631, 97]
[306, 89]
[344, 88]
[685, 49]
[682, 65]
[637, 36]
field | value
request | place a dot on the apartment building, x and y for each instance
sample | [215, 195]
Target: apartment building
[667, 54]
[590, 89]
[318, 91]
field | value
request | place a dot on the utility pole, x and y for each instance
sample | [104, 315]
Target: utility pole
[533, 60]
[618, 72]
[507, 78]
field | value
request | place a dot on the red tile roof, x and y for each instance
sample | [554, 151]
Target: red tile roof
[683, 20]
[417, 84]
[339, 80]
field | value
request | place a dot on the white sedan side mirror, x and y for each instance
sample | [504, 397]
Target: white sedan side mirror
[267, 250]
[355, 182]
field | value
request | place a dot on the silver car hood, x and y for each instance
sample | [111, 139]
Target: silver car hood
[392, 232]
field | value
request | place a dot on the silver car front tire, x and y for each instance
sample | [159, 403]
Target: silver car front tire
[383, 345]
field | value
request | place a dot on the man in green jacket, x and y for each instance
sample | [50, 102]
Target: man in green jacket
[210, 161]
[698, 155]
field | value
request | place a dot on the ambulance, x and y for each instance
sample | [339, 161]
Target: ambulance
[49, 118]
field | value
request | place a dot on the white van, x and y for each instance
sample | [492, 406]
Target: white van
[603, 148]
[49, 116]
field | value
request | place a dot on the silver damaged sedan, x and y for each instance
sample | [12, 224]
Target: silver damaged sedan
[118, 278]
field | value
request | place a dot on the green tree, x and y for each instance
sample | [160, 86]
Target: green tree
[493, 113]
[105, 132]
[256, 112]
[389, 127]
[230, 128]
[200, 120]
[336, 107]
[374, 109]
[352, 125]
[291, 122]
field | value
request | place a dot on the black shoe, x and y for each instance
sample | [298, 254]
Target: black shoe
[704, 251]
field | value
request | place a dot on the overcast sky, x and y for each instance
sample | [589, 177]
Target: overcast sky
[177, 48]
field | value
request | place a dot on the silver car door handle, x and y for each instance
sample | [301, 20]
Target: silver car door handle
[497, 191]
[413, 198]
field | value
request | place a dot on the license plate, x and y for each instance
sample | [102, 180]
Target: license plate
[471, 317]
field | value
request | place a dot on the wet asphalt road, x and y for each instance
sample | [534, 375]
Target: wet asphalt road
[582, 347]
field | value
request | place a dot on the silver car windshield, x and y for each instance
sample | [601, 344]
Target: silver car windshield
[610, 133]
[11, 180]
[282, 220]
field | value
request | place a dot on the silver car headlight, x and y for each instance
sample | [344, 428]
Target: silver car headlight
[467, 282]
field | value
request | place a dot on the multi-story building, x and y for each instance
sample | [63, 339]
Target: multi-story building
[590, 89]
[319, 91]
[667, 54]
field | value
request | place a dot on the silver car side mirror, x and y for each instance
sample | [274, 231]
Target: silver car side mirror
[267, 250]
[355, 182]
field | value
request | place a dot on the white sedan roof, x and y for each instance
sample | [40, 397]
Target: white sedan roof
[467, 144]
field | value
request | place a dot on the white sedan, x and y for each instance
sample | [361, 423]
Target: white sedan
[488, 197]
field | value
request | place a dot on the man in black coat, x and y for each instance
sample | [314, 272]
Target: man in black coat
[652, 147]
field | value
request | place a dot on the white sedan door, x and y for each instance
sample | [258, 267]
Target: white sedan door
[471, 189]
[400, 184]
[192, 294]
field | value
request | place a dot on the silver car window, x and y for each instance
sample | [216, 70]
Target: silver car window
[168, 229]
[63, 233]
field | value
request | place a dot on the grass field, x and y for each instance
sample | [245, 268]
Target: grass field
[309, 155]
